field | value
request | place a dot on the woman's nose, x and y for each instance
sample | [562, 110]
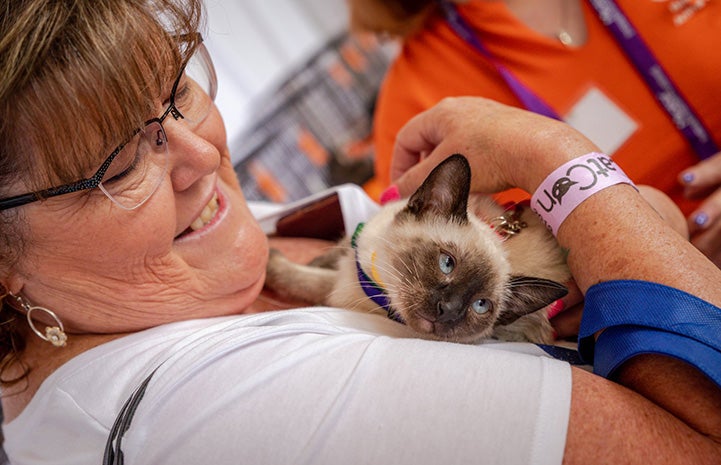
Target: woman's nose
[192, 153]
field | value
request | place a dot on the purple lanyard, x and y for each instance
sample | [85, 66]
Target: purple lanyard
[528, 98]
[636, 50]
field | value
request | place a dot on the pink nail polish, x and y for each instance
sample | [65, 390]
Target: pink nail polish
[390, 194]
[555, 308]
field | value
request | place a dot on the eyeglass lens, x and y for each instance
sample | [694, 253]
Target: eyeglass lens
[195, 91]
[140, 166]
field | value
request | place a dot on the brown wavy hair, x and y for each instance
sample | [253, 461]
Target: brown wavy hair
[76, 78]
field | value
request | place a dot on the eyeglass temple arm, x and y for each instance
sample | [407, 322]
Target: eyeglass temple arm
[18, 200]
[23, 199]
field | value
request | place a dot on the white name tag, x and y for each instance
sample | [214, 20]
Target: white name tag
[601, 120]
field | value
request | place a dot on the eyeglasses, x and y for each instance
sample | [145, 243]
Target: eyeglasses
[135, 169]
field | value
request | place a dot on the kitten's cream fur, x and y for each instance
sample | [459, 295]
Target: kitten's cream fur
[400, 247]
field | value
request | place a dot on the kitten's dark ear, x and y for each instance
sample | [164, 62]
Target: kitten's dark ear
[445, 191]
[528, 295]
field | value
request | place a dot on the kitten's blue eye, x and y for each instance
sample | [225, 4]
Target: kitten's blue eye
[446, 263]
[481, 306]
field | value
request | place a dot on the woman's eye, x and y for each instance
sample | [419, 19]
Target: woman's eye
[124, 163]
[446, 263]
[481, 306]
[186, 93]
[182, 93]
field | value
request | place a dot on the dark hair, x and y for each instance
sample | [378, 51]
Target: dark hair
[392, 17]
[76, 77]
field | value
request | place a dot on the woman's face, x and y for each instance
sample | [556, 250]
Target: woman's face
[104, 269]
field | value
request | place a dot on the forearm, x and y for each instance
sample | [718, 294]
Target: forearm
[615, 234]
[678, 388]
[612, 424]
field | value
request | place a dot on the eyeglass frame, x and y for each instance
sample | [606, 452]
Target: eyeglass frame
[95, 180]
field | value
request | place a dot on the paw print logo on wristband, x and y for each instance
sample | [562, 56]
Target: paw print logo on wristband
[560, 188]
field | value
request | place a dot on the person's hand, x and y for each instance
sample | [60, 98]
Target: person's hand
[496, 139]
[701, 180]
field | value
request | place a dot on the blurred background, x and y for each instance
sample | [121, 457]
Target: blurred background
[296, 91]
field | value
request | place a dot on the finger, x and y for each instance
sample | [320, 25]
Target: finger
[402, 163]
[419, 137]
[415, 175]
[706, 216]
[413, 178]
[568, 322]
[574, 296]
[701, 177]
[708, 242]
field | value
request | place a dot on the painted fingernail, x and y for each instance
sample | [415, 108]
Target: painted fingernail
[688, 178]
[701, 219]
[390, 194]
[555, 308]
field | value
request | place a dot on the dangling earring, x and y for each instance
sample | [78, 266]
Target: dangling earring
[55, 335]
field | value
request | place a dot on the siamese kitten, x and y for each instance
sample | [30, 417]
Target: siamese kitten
[450, 265]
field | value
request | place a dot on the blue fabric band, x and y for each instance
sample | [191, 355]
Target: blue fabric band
[640, 317]
[562, 353]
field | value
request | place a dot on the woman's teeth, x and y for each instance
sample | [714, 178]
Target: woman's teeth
[206, 215]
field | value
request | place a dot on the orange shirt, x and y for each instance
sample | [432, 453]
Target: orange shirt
[436, 63]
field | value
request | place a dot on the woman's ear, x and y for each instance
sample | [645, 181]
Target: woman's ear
[11, 284]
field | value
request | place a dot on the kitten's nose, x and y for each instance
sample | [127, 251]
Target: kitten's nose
[450, 310]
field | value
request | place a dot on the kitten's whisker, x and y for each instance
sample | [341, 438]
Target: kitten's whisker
[390, 270]
[405, 265]
[352, 304]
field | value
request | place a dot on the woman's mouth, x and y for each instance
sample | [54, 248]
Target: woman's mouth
[207, 214]
[205, 218]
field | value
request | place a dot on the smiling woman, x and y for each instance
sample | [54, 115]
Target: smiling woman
[130, 266]
[36, 72]
[162, 69]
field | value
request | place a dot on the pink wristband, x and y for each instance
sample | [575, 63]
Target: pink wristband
[572, 183]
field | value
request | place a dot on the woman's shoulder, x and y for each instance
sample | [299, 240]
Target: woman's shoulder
[102, 376]
[83, 397]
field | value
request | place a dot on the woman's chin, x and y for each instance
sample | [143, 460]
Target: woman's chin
[245, 297]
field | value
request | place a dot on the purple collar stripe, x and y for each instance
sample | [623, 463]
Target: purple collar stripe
[376, 293]
[372, 290]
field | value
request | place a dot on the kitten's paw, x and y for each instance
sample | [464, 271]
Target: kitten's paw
[329, 259]
[275, 270]
[297, 282]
